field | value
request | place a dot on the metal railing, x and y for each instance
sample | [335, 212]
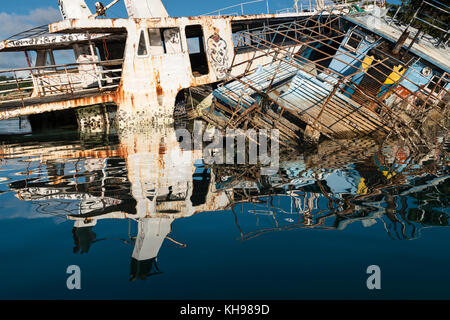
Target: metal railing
[382, 99]
[313, 6]
[420, 17]
[15, 87]
[241, 6]
[303, 6]
[60, 79]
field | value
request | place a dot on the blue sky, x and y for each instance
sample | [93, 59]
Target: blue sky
[20, 15]
[175, 7]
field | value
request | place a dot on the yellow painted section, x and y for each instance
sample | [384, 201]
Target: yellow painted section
[362, 188]
[367, 62]
[395, 75]
[389, 175]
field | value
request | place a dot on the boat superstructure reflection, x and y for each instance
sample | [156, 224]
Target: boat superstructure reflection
[147, 178]
[151, 180]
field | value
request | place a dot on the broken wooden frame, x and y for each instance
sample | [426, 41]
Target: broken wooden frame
[372, 114]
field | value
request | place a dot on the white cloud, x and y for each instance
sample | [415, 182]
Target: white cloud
[11, 24]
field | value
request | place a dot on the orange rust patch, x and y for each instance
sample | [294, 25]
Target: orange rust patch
[159, 89]
[132, 101]
[403, 92]
[162, 149]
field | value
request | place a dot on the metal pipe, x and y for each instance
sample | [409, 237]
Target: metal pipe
[61, 66]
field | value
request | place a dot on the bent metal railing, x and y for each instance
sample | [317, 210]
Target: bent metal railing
[299, 6]
[239, 6]
[63, 79]
[311, 31]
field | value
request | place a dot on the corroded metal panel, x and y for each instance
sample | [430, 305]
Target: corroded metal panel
[150, 82]
[56, 106]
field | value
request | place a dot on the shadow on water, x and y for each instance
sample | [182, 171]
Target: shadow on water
[147, 179]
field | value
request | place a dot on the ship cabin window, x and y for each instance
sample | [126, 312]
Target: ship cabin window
[156, 44]
[437, 84]
[172, 40]
[353, 41]
[142, 46]
[196, 48]
[165, 41]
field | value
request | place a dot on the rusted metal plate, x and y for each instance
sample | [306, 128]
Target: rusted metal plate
[44, 42]
[55, 103]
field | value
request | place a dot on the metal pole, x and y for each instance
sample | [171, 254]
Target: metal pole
[415, 15]
[396, 12]
[97, 71]
[35, 84]
[68, 80]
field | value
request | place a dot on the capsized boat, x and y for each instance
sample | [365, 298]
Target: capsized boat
[356, 73]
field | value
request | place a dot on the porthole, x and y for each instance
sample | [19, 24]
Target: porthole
[426, 71]
[369, 38]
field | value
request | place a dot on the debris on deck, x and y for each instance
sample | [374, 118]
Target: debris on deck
[345, 80]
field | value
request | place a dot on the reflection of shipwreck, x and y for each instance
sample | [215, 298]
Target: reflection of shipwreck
[370, 187]
[355, 74]
[151, 181]
[147, 179]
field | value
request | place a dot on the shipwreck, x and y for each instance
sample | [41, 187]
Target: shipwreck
[352, 73]
[142, 64]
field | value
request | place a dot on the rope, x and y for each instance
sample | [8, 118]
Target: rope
[105, 47]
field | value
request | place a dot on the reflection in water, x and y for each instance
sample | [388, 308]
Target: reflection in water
[150, 180]
[146, 178]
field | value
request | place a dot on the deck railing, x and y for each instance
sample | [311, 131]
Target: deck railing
[377, 96]
[420, 19]
[240, 7]
[59, 79]
[299, 6]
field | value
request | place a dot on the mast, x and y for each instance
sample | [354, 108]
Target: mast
[74, 9]
[77, 9]
[145, 8]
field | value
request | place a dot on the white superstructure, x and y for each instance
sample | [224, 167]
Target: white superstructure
[145, 8]
[74, 9]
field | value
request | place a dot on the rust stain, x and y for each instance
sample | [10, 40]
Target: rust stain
[58, 105]
[403, 92]
[162, 149]
[132, 101]
[159, 89]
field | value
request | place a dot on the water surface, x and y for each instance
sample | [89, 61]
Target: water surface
[146, 219]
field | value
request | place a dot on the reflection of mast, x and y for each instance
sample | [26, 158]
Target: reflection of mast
[83, 236]
[161, 177]
[151, 235]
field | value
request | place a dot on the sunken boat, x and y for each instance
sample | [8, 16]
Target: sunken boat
[142, 64]
[356, 73]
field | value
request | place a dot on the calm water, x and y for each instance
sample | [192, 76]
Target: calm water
[146, 219]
